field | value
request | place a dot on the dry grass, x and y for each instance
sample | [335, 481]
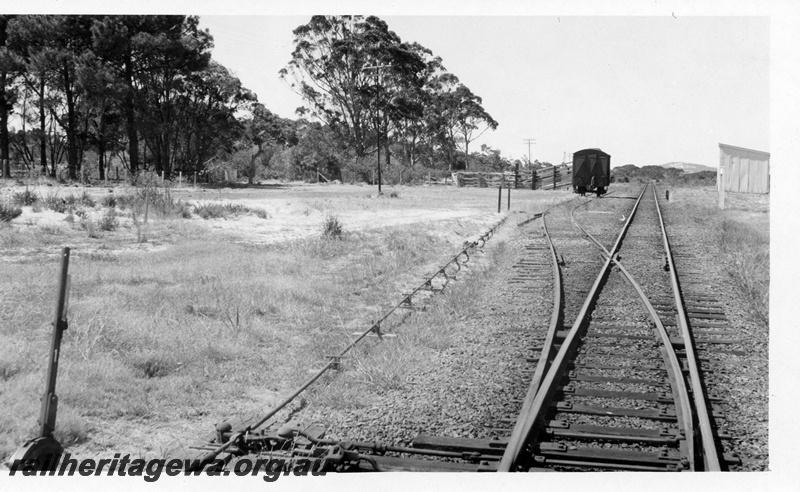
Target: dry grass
[741, 232]
[746, 248]
[205, 326]
[150, 333]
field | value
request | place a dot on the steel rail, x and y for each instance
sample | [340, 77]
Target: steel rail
[710, 456]
[529, 430]
[518, 434]
[674, 367]
[375, 328]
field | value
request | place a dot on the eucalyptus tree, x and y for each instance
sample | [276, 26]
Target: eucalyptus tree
[460, 118]
[265, 133]
[207, 113]
[346, 68]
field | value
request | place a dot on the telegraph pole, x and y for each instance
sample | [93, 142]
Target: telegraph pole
[529, 141]
[378, 122]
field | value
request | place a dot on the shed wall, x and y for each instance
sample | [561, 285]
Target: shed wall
[745, 170]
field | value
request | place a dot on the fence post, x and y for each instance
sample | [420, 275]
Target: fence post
[499, 197]
[180, 178]
[509, 197]
[146, 204]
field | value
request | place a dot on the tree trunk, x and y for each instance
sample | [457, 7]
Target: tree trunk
[72, 143]
[130, 117]
[4, 107]
[43, 128]
[466, 154]
[6, 165]
[101, 165]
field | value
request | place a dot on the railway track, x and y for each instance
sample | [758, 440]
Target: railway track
[616, 382]
[614, 396]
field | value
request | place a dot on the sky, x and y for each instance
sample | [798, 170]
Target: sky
[645, 89]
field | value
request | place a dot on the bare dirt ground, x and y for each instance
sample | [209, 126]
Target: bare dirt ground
[293, 211]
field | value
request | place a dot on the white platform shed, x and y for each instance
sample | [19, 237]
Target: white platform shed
[743, 170]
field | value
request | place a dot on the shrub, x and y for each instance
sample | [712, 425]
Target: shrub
[260, 213]
[126, 200]
[88, 226]
[9, 212]
[54, 203]
[217, 210]
[332, 228]
[86, 199]
[109, 221]
[26, 197]
[184, 209]
[109, 200]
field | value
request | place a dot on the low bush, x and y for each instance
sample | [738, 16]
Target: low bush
[90, 228]
[55, 203]
[26, 197]
[218, 210]
[109, 221]
[9, 212]
[86, 199]
[109, 200]
[260, 213]
[332, 228]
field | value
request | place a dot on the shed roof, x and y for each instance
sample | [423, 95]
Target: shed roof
[733, 148]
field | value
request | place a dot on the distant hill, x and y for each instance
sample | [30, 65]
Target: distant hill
[668, 173]
[688, 167]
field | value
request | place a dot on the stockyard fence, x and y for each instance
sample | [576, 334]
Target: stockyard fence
[545, 178]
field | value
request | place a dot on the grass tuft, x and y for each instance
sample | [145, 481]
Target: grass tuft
[86, 199]
[109, 200]
[25, 198]
[55, 203]
[109, 221]
[332, 228]
[152, 365]
[88, 225]
[747, 262]
[218, 210]
[9, 212]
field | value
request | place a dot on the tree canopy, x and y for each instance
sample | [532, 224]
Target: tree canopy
[144, 92]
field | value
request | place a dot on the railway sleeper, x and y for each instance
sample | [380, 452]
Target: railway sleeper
[562, 429]
[396, 464]
[461, 445]
[662, 414]
[575, 376]
[561, 454]
[661, 396]
[581, 365]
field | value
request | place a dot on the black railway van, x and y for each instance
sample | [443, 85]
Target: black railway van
[591, 171]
